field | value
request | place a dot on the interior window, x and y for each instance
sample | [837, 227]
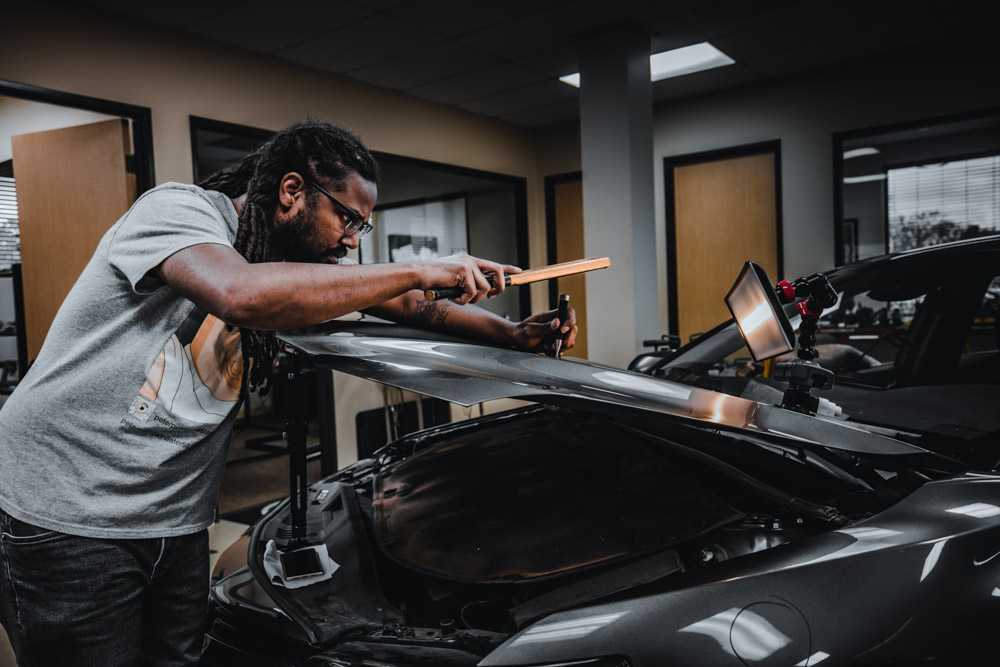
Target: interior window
[940, 202]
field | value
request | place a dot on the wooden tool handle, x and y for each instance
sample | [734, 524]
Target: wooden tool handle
[559, 270]
[529, 276]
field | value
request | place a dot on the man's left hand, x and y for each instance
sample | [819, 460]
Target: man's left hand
[538, 333]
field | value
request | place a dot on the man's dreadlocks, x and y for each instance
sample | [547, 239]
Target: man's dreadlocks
[311, 148]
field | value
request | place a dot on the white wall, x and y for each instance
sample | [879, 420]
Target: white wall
[804, 112]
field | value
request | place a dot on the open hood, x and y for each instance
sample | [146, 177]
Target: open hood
[466, 372]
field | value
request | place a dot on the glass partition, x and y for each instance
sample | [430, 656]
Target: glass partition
[917, 184]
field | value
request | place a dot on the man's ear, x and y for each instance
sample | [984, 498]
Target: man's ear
[291, 186]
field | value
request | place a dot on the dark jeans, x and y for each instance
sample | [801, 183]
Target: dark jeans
[78, 601]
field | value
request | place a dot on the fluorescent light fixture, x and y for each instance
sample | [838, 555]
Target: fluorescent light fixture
[571, 79]
[676, 62]
[759, 316]
[686, 60]
[860, 152]
[864, 179]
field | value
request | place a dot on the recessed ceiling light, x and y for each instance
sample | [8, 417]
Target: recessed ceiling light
[859, 152]
[677, 62]
[686, 60]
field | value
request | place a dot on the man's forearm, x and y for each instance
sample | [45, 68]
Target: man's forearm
[468, 320]
[279, 295]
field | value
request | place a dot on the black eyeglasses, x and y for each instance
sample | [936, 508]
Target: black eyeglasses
[356, 224]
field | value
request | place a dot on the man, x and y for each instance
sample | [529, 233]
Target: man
[112, 447]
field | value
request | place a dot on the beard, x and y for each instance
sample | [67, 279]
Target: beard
[296, 240]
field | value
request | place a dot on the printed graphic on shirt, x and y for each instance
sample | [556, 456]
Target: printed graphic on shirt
[197, 375]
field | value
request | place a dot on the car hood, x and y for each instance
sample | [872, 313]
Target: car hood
[467, 372]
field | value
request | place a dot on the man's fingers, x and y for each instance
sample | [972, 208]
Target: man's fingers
[570, 322]
[570, 339]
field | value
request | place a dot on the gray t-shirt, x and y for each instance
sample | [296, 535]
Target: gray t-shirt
[120, 428]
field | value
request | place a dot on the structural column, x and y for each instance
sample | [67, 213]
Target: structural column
[616, 142]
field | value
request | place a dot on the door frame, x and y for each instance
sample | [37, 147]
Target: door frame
[672, 161]
[141, 162]
[551, 182]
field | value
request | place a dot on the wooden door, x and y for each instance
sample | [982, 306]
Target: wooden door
[568, 208]
[725, 213]
[72, 185]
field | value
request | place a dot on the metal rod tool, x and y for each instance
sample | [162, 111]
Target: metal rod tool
[563, 314]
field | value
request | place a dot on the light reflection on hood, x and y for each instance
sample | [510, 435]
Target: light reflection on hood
[754, 636]
[561, 630]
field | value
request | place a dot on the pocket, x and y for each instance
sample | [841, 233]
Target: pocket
[21, 532]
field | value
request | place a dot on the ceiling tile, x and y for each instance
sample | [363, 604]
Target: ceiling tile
[478, 83]
[380, 5]
[835, 29]
[725, 17]
[701, 83]
[459, 17]
[363, 43]
[562, 25]
[527, 97]
[546, 115]
[264, 26]
[431, 63]
[178, 13]
[552, 63]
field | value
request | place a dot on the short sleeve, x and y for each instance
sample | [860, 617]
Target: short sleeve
[160, 223]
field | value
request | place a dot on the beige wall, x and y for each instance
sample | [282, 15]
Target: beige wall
[89, 52]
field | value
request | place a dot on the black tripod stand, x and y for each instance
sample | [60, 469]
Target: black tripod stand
[804, 374]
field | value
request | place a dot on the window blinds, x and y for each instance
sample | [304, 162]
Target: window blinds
[10, 252]
[959, 199]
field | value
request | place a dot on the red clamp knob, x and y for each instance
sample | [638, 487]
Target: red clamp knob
[787, 291]
[806, 313]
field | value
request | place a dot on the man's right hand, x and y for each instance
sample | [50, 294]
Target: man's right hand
[467, 272]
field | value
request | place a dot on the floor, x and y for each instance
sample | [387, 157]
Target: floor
[252, 480]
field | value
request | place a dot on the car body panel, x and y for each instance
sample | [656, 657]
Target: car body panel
[467, 372]
[887, 587]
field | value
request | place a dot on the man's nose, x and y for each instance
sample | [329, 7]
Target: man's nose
[351, 240]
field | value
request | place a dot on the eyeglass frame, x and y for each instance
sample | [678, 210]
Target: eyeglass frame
[360, 228]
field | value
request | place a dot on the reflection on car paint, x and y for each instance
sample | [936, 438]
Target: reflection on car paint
[644, 384]
[978, 510]
[932, 558]
[575, 629]
[814, 659]
[753, 638]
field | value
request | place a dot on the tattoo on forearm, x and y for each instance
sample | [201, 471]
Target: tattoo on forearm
[431, 313]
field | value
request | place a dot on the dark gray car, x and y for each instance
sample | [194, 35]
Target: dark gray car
[621, 519]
